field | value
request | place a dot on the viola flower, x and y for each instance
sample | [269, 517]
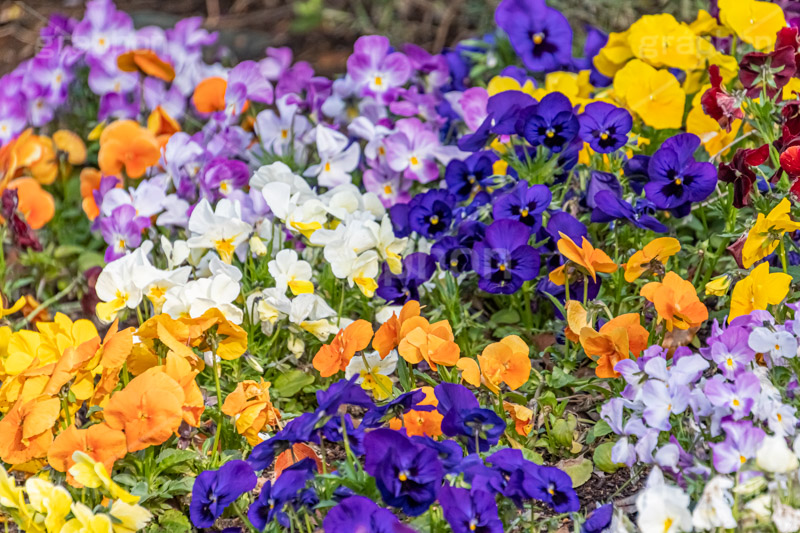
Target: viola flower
[102, 28]
[470, 510]
[337, 159]
[388, 336]
[246, 83]
[523, 203]
[358, 513]
[399, 289]
[754, 22]
[221, 229]
[605, 127]
[738, 397]
[676, 302]
[372, 373]
[29, 207]
[553, 487]
[655, 95]
[504, 260]
[413, 149]
[540, 35]
[124, 143]
[388, 185]
[765, 235]
[275, 495]
[215, 490]
[465, 179]
[290, 272]
[651, 258]
[718, 104]
[506, 362]
[769, 72]
[221, 177]
[122, 231]
[452, 255]
[433, 343]
[610, 207]
[374, 69]
[553, 124]
[464, 417]
[27, 429]
[776, 345]
[250, 406]
[408, 475]
[146, 62]
[759, 289]
[586, 258]
[742, 442]
[739, 172]
[282, 131]
[731, 352]
[676, 179]
[613, 342]
[334, 357]
[100, 442]
[430, 213]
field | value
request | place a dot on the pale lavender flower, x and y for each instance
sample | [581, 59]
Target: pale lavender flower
[12, 117]
[105, 77]
[433, 68]
[412, 149]
[282, 131]
[661, 401]
[118, 106]
[222, 176]
[122, 231]
[730, 351]
[246, 82]
[156, 93]
[742, 441]
[375, 68]
[388, 185]
[103, 27]
[737, 397]
[774, 344]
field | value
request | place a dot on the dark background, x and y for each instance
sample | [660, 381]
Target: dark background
[323, 31]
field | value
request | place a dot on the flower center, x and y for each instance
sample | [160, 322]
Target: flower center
[414, 160]
[729, 361]
[524, 212]
[667, 524]
[378, 81]
[604, 136]
[736, 402]
[327, 167]
[501, 267]
[538, 38]
[453, 263]
[387, 189]
[551, 490]
[284, 134]
[742, 459]
[550, 133]
[678, 181]
[777, 347]
[472, 525]
[434, 219]
[403, 476]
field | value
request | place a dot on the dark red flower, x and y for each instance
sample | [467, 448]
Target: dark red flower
[21, 233]
[717, 103]
[790, 161]
[790, 37]
[771, 71]
[739, 172]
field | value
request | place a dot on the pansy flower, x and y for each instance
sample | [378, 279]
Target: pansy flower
[215, 490]
[676, 178]
[605, 127]
[524, 203]
[504, 260]
[358, 513]
[408, 475]
[541, 36]
[742, 441]
[553, 124]
[374, 68]
[464, 417]
[612, 343]
[736, 398]
[334, 357]
[676, 302]
[739, 172]
[651, 257]
[470, 511]
[586, 258]
[768, 72]
[431, 213]
[397, 289]
[759, 289]
[554, 487]
[765, 235]
[470, 177]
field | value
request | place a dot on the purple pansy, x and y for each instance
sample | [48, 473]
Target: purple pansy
[412, 149]
[541, 36]
[431, 213]
[398, 289]
[246, 82]
[736, 398]
[553, 124]
[676, 179]
[504, 260]
[122, 231]
[742, 441]
[215, 490]
[523, 203]
[469, 511]
[222, 176]
[374, 68]
[605, 127]
[358, 513]
[471, 176]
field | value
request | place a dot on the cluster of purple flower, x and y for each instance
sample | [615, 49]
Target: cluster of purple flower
[711, 408]
[411, 473]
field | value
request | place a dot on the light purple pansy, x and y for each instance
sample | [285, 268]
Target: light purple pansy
[374, 68]
[742, 441]
[103, 27]
[246, 82]
[122, 231]
[738, 397]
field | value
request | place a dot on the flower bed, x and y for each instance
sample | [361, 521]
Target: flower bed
[505, 287]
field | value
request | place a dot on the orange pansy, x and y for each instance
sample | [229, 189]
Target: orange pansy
[676, 301]
[522, 417]
[506, 362]
[616, 340]
[181, 371]
[209, 95]
[100, 442]
[577, 319]
[249, 404]
[124, 143]
[149, 409]
[424, 422]
[587, 258]
[162, 125]
[333, 357]
[298, 452]
[35, 203]
[433, 343]
[38, 154]
[90, 182]
[70, 143]
[147, 62]
[387, 338]
[26, 431]
[658, 250]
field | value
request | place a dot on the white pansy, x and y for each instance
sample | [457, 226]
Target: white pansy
[176, 252]
[662, 508]
[116, 287]
[279, 172]
[389, 247]
[313, 314]
[785, 518]
[337, 159]
[291, 272]
[198, 296]
[713, 510]
[775, 456]
[221, 229]
[776, 344]
[371, 363]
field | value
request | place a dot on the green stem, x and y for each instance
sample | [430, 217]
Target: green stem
[783, 256]
[215, 369]
[243, 517]
[47, 303]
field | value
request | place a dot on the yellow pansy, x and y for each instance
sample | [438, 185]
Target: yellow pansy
[759, 289]
[791, 89]
[766, 233]
[11, 496]
[655, 95]
[574, 86]
[86, 521]
[51, 501]
[92, 474]
[500, 84]
[718, 286]
[705, 24]
[754, 22]
[662, 41]
[714, 137]
[128, 518]
[614, 55]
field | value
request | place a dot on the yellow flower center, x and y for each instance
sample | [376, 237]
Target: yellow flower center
[225, 249]
[402, 476]
[729, 361]
[678, 181]
[414, 160]
[327, 167]
[121, 244]
[743, 459]
[667, 524]
[538, 38]
[285, 134]
[524, 212]
[434, 219]
[501, 267]
[387, 189]
[604, 136]
[777, 347]
[224, 187]
[736, 402]
[453, 263]
[378, 81]
[550, 133]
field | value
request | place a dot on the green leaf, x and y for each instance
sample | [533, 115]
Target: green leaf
[532, 456]
[562, 433]
[172, 457]
[556, 303]
[174, 521]
[559, 379]
[579, 469]
[602, 458]
[291, 383]
[505, 316]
